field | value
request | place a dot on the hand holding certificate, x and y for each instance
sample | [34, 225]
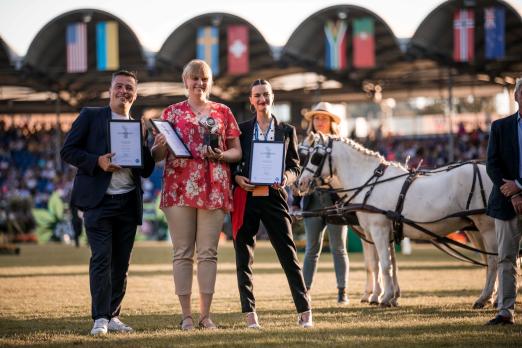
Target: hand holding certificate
[267, 162]
[126, 143]
[174, 142]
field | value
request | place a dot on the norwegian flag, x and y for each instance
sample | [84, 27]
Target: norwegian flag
[463, 36]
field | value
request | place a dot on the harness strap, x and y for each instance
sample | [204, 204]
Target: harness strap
[377, 173]
[448, 249]
[397, 224]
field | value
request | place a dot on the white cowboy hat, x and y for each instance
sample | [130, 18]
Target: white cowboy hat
[322, 108]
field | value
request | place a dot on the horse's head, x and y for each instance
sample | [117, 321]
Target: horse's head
[315, 173]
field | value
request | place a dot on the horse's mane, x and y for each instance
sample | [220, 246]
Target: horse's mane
[359, 148]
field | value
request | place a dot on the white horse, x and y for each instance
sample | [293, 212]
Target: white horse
[429, 198]
[373, 285]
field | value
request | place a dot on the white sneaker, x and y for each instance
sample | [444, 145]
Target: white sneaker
[305, 319]
[118, 326]
[100, 327]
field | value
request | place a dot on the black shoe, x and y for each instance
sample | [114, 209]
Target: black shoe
[501, 320]
[342, 296]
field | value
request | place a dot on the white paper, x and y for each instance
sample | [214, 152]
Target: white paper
[126, 143]
[174, 142]
[267, 163]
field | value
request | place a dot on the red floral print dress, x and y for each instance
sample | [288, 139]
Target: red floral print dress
[198, 182]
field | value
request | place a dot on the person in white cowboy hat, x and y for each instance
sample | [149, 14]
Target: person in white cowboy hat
[322, 119]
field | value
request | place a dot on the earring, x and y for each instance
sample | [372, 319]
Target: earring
[252, 110]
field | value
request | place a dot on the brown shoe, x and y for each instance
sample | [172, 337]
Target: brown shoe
[207, 324]
[501, 320]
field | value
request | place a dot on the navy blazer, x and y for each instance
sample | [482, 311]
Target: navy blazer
[502, 163]
[87, 140]
[282, 132]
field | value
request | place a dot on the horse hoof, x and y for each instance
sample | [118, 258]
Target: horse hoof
[374, 303]
[364, 300]
[384, 305]
[394, 303]
[478, 305]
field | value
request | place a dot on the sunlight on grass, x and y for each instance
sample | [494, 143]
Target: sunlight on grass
[44, 300]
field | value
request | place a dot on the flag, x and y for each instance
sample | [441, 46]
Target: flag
[107, 46]
[335, 48]
[463, 36]
[363, 43]
[494, 32]
[208, 47]
[76, 43]
[237, 39]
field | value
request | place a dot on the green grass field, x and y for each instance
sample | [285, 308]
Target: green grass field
[44, 301]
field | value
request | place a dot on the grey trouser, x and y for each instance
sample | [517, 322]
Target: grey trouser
[508, 233]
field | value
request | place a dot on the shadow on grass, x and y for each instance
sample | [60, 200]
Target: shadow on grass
[335, 327]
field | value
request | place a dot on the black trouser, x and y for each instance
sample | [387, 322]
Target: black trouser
[111, 228]
[273, 212]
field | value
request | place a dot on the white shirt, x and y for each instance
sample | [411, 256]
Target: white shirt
[121, 181]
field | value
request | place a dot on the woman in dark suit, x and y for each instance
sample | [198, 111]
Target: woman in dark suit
[268, 204]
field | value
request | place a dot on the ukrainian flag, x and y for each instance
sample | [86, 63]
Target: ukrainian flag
[107, 46]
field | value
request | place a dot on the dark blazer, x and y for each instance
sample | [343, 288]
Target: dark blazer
[502, 163]
[282, 132]
[86, 141]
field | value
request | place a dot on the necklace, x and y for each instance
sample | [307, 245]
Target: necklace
[199, 110]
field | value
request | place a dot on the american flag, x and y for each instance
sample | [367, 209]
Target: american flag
[76, 42]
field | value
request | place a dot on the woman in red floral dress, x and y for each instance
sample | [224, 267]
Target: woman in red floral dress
[196, 191]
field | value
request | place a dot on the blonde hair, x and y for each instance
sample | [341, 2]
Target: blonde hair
[197, 67]
[334, 128]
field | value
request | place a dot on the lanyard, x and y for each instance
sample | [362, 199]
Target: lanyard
[257, 130]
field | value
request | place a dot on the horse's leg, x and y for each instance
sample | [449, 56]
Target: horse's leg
[380, 235]
[370, 262]
[486, 226]
[396, 288]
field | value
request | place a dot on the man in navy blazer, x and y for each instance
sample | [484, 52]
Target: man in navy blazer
[110, 197]
[504, 167]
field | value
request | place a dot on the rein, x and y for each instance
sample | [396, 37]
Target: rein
[343, 207]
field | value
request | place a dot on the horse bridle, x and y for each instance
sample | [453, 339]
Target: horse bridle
[318, 156]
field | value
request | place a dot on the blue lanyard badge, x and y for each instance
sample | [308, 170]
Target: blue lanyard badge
[257, 130]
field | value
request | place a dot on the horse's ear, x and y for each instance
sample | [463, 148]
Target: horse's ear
[309, 140]
[324, 138]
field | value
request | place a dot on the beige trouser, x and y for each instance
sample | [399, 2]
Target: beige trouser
[194, 228]
[508, 237]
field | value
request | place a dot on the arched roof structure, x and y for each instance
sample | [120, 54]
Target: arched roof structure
[433, 39]
[306, 46]
[180, 48]
[47, 57]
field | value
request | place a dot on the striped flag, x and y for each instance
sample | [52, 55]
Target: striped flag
[207, 47]
[237, 40]
[107, 46]
[463, 36]
[335, 49]
[363, 43]
[494, 32]
[76, 44]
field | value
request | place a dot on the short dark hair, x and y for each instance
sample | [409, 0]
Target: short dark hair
[123, 72]
[260, 82]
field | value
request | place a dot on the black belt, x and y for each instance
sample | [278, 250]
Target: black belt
[121, 195]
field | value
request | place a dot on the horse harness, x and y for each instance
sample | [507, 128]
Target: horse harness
[344, 206]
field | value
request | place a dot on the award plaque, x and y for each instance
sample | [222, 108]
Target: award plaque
[174, 142]
[126, 142]
[267, 162]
